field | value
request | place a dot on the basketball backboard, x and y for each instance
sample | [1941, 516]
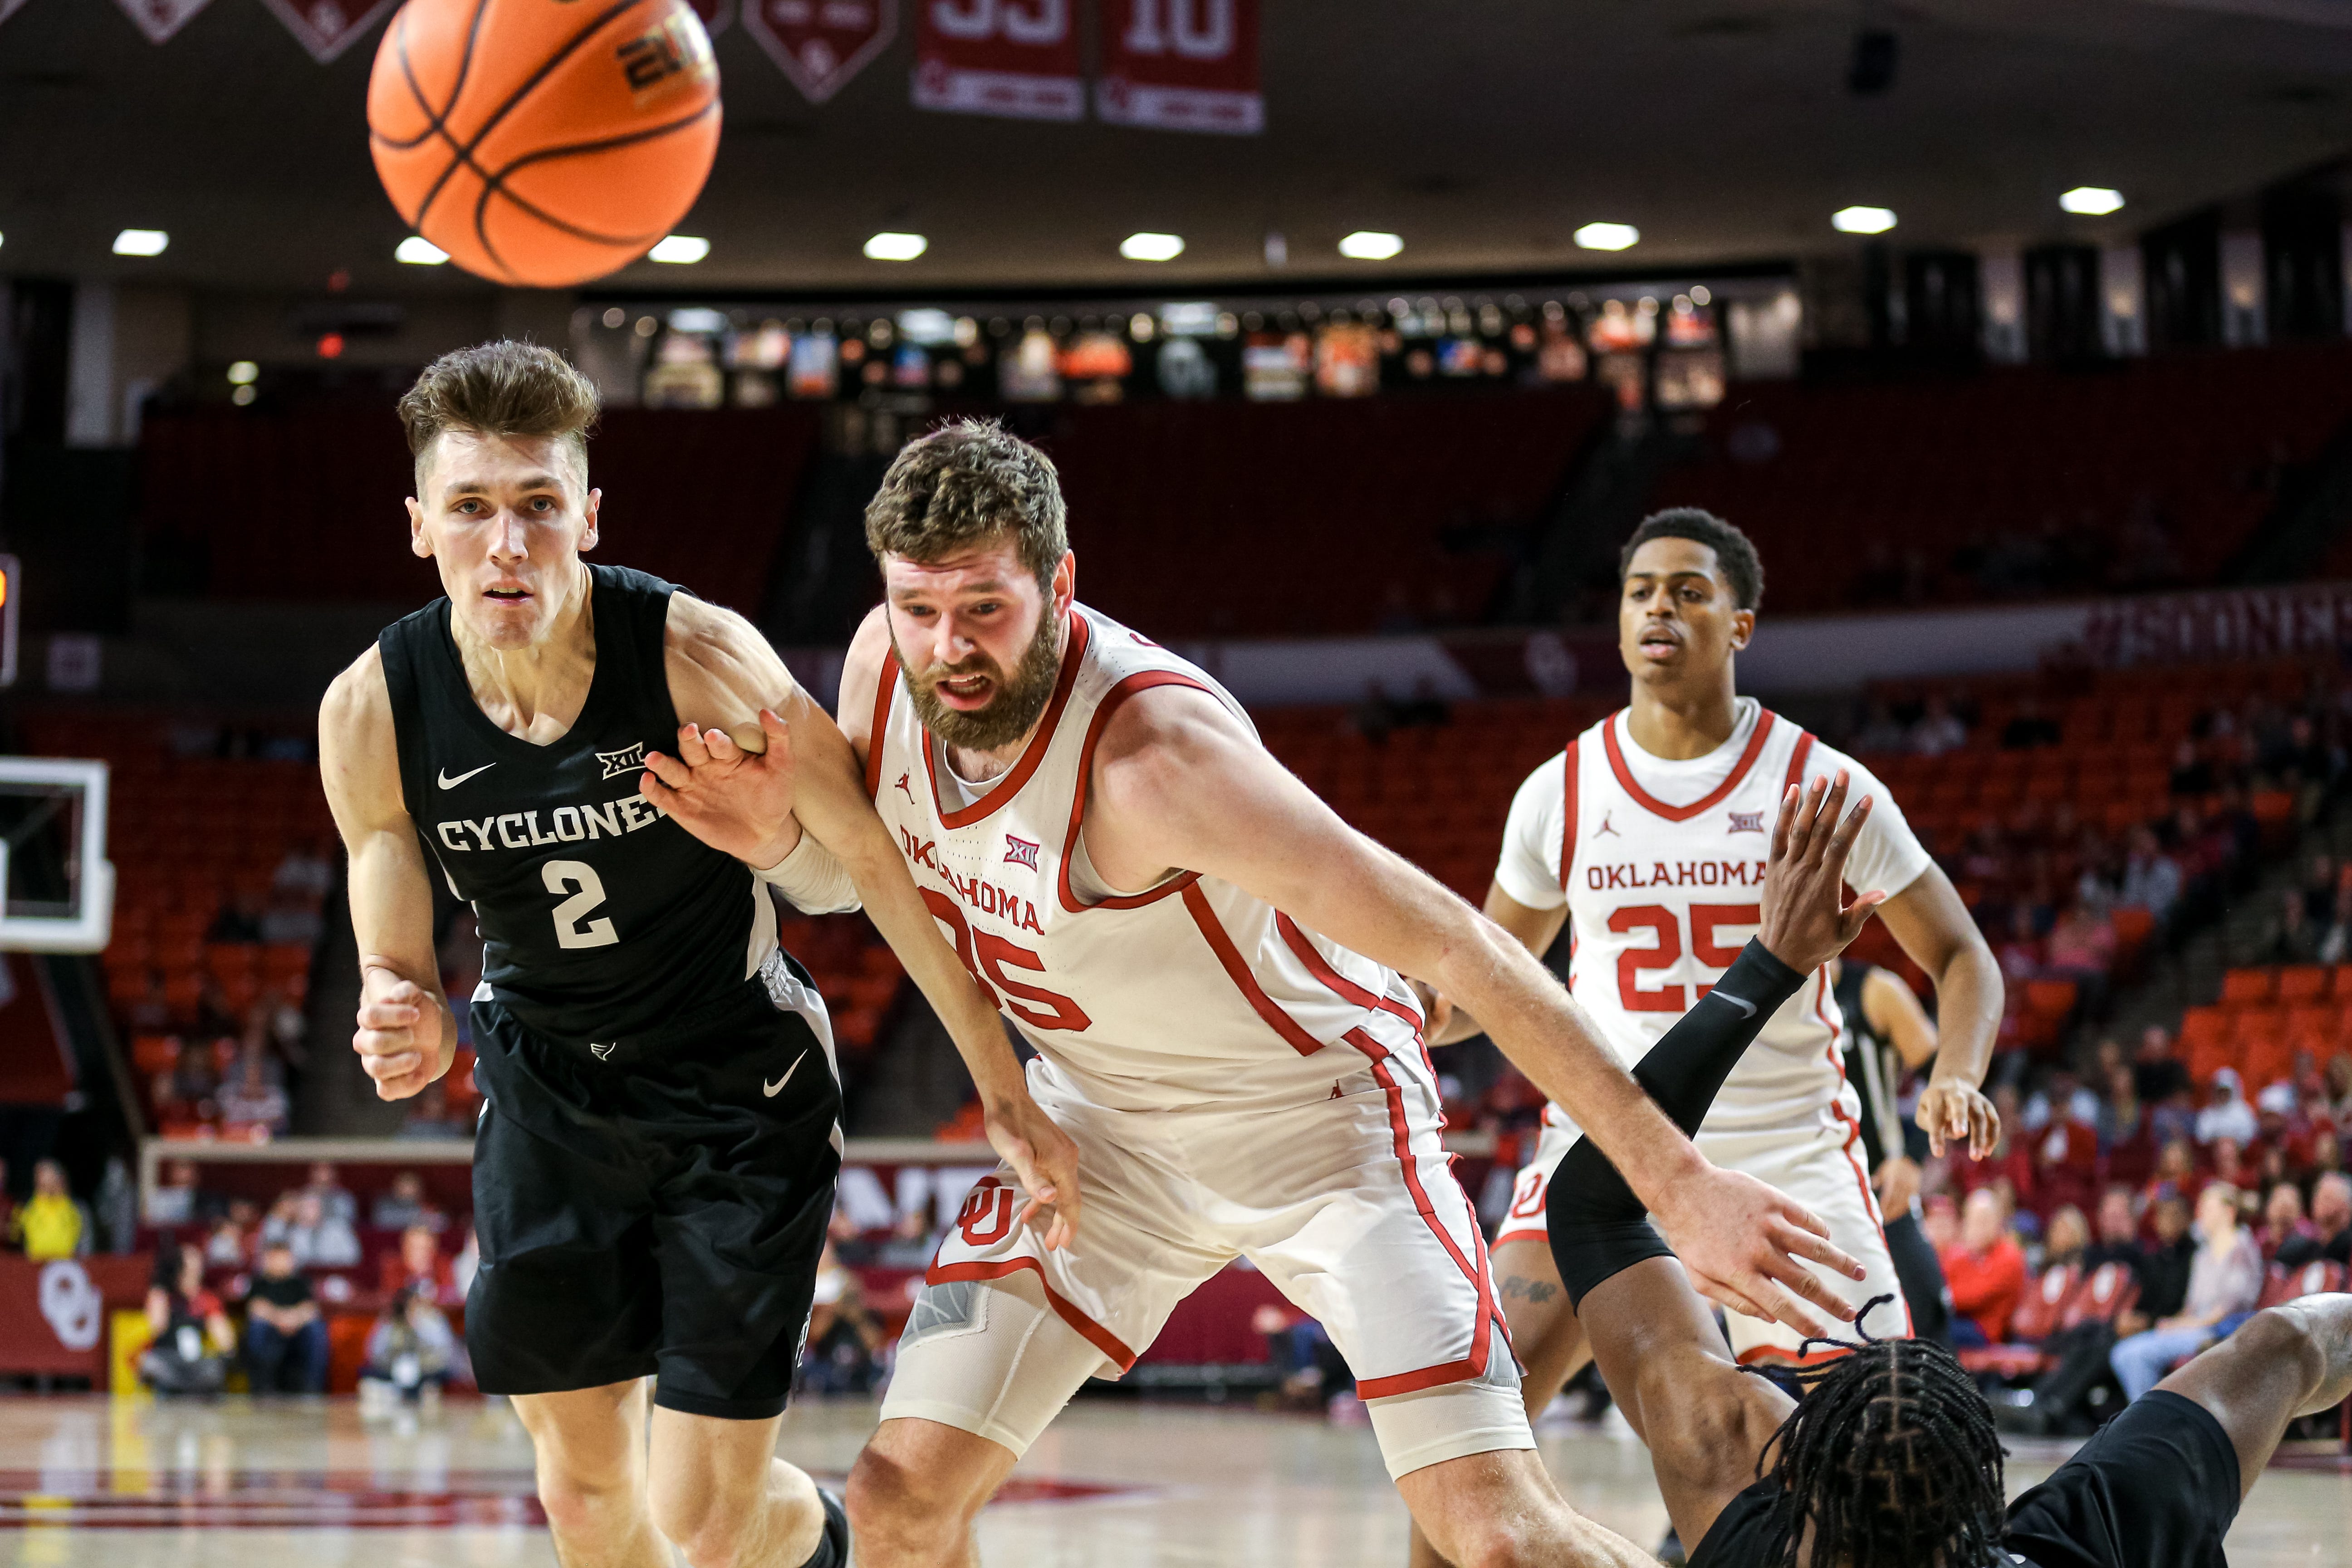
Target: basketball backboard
[56, 887]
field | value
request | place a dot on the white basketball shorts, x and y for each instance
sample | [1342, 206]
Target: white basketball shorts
[1346, 1202]
[1822, 1167]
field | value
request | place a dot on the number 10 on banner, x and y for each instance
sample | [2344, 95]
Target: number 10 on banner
[1181, 65]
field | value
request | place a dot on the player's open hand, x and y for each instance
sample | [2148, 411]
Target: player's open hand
[1740, 1241]
[1045, 1160]
[732, 790]
[1804, 919]
[400, 1040]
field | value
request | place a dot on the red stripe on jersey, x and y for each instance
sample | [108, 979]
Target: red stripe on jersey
[1332, 978]
[1282, 1023]
[1657, 807]
[1005, 788]
[1567, 819]
[885, 688]
[1102, 1338]
[1141, 680]
[1475, 1364]
[1797, 760]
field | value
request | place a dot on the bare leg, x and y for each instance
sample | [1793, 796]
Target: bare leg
[1544, 1333]
[916, 1491]
[722, 1497]
[2287, 1362]
[590, 1446]
[1501, 1511]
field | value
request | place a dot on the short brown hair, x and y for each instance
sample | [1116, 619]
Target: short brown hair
[502, 388]
[968, 480]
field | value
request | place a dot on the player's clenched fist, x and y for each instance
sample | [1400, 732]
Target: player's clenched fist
[403, 1038]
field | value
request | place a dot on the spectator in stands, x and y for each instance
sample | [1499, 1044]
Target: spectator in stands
[2157, 1073]
[2192, 775]
[50, 1225]
[2021, 952]
[2061, 1097]
[2164, 1267]
[2067, 1239]
[189, 1337]
[1986, 1272]
[417, 1265]
[239, 921]
[2066, 1162]
[1939, 728]
[2118, 1233]
[2082, 948]
[2176, 1173]
[318, 1239]
[2331, 1226]
[2293, 937]
[150, 1012]
[845, 1338]
[2335, 942]
[173, 1201]
[254, 1095]
[304, 871]
[115, 1208]
[1939, 1222]
[2327, 1154]
[429, 1116]
[2320, 886]
[225, 1247]
[2225, 1282]
[290, 921]
[2122, 1120]
[1880, 732]
[2151, 878]
[412, 1353]
[335, 1200]
[403, 1204]
[285, 1335]
[2029, 727]
[2226, 1113]
[2228, 1162]
[2283, 1221]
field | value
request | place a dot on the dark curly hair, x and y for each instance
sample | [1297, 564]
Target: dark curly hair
[1891, 1456]
[1734, 551]
[968, 480]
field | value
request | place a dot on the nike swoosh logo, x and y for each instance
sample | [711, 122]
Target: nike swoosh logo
[1747, 1008]
[448, 782]
[774, 1089]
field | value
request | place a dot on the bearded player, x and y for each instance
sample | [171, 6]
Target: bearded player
[1207, 960]
[654, 1169]
[1649, 830]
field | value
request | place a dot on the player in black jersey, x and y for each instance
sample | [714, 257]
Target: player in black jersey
[1887, 1033]
[1890, 1459]
[654, 1165]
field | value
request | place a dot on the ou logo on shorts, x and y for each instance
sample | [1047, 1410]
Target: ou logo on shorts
[986, 1218]
[71, 1304]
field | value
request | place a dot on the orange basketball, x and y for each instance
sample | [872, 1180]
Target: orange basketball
[543, 141]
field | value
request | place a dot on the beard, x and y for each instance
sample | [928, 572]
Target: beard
[1020, 697]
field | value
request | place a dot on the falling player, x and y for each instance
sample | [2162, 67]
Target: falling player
[654, 1169]
[1206, 960]
[1888, 1458]
[1650, 830]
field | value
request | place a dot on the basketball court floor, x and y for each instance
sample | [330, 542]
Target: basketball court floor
[135, 1484]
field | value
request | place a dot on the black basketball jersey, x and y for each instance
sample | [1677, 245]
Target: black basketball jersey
[1872, 1066]
[601, 918]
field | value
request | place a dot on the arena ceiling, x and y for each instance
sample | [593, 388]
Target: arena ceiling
[1484, 134]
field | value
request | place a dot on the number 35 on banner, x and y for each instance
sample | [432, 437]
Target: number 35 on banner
[1181, 65]
[1017, 58]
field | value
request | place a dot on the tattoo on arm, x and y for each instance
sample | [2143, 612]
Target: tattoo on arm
[1536, 1290]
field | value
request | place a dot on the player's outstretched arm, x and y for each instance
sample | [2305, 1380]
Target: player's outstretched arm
[406, 1036]
[759, 761]
[1934, 929]
[1180, 783]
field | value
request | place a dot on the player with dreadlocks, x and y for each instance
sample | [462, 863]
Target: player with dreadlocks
[1888, 1458]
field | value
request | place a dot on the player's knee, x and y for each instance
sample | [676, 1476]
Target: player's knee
[582, 1502]
[898, 1511]
[2284, 1335]
[697, 1520]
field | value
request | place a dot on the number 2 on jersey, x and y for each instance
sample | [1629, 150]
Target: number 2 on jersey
[1667, 950]
[562, 876]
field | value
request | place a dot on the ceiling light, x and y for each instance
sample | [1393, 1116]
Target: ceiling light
[2092, 200]
[1151, 247]
[1370, 245]
[1861, 220]
[683, 249]
[889, 246]
[140, 242]
[244, 372]
[419, 251]
[1608, 237]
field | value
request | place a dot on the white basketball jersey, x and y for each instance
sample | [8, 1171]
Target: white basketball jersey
[1191, 992]
[1660, 862]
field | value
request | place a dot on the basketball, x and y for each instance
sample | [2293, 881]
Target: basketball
[542, 143]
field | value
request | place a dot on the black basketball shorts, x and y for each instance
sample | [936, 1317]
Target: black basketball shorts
[2157, 1488]
[655, 1205]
